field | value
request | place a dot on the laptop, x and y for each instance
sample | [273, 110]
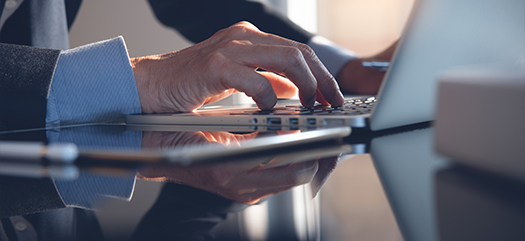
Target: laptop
[440, 34]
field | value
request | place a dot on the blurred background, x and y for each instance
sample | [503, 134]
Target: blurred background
[364, 26]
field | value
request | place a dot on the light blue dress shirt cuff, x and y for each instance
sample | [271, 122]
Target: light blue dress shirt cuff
[93, 83]
[333, 56]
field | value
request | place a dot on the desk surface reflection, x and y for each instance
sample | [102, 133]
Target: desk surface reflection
[400, 190]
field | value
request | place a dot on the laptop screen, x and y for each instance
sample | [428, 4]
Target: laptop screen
[444, 34]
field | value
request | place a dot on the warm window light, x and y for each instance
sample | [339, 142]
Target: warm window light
[304, 13]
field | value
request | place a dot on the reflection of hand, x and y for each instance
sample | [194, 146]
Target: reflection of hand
[242, 181]
[356, 79]
[226, 62]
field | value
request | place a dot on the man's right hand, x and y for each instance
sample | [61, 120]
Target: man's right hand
[182, 81]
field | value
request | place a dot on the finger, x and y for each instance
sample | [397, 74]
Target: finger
[245, 79]
[285, 60]
[326, 82]
[282, 87]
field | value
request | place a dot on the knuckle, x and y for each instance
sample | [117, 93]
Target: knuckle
[293, 56]
[307, 51]
[241, 29]
[246, 25]
[238, 29]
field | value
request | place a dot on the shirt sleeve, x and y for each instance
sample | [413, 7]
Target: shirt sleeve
[333, 56]
[93, 83]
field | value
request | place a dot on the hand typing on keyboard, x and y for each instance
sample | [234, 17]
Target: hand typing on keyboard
[183, 81]
[351, 106]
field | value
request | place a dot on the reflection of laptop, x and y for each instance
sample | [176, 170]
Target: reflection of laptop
[440, 34]
[181, 145]
[406, 164]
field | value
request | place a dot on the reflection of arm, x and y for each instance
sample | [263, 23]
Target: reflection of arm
[22, 196]
[184, 213]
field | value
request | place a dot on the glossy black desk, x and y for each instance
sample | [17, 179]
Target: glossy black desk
[399, 190]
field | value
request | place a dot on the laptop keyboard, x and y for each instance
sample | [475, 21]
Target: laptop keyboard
[352, 106]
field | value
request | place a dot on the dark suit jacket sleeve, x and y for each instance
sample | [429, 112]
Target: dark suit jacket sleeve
[25, 72]
[197, 20]
[25, 78]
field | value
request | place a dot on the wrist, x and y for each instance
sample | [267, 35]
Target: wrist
[140, 66]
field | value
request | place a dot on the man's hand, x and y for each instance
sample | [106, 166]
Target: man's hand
[227, 62]
[356, 79]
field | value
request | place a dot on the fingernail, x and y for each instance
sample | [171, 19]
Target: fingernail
[310, 102]
[340, 98]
